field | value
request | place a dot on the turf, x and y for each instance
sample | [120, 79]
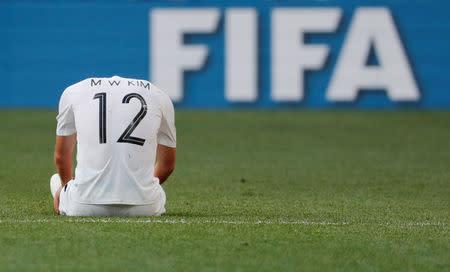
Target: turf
[252, 191]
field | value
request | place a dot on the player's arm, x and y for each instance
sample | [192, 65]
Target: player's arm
[165, 162]
[63, 156]
[166, 138]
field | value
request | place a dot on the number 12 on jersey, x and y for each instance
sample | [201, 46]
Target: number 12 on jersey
[126, 135]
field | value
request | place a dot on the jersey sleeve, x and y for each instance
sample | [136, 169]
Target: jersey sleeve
[65, 119]
[167, 132]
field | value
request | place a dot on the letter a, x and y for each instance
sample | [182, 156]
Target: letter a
[373, 26]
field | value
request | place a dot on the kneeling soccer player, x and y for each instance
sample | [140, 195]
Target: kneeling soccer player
[121, 126]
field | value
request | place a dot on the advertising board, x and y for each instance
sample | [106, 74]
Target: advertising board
[233, 54]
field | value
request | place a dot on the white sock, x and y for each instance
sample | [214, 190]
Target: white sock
[55, 183]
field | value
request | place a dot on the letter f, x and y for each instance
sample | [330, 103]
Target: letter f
[169, 58]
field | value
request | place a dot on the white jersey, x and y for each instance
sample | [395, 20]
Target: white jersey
[119, 122]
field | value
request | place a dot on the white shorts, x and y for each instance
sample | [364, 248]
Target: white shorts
[70, 207]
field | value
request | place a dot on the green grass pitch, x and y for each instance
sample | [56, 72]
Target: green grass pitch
[252, 191]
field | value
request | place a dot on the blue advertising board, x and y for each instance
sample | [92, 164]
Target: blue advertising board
[233, 54]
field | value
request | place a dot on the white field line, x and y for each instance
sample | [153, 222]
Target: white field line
[214, 221]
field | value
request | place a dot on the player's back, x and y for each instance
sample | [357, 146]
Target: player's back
[117, 122]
